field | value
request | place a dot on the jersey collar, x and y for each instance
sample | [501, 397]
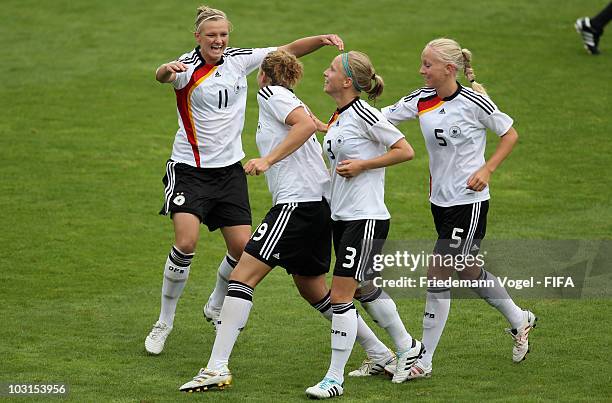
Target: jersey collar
[454, 94]
[345, 107]
[197, 50]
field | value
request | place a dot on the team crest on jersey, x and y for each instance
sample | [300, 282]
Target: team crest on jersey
[339, 141]
[179, 200]
[454, 131]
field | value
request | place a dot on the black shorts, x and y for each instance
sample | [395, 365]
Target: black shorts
[460, 228]
[295, 236]
[356, 243]
[218, 196]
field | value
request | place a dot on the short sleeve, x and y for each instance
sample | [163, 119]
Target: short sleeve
[181, 80]
[281, 104]
[385, 133]
[492, 118]
[248, 59]
[402, 110]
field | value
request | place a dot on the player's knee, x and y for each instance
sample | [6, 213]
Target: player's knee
[186, 244]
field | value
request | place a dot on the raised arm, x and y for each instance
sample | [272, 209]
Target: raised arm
[166, 73]
[309, 44]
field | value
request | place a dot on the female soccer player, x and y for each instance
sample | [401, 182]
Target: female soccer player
[360, 143]
[454, 120]
[296, 232]
[204, 180]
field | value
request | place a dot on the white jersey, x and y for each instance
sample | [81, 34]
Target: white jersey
[358, 131]
[211, 101]
[455, 135]
[301, 176]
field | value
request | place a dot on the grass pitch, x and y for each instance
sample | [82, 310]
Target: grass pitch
[85, 131]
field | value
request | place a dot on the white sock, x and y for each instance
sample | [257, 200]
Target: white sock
[437, 307]
[374, 348]
[499, 298]
[234, 316]
[215, 301]
[384, 312]
[343, 334]
[176, 272]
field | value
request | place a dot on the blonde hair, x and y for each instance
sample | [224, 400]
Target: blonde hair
[205, 13]
[282, 68]
[361, 71]
[450, 52]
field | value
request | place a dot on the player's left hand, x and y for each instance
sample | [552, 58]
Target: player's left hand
[350, 168]
[333, 40]
[479, 179]
[256, 166]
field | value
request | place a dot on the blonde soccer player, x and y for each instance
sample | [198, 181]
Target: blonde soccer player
[360, 143]
[454, 120]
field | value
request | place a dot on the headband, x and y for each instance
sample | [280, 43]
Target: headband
[347, 70]
[220, 16]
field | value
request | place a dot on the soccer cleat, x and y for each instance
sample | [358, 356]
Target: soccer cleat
[211, 315]
[370, 367]
[208, 379]
[154, 343]
[406, 360]
[590, 36]
[418, 370]
[521, 337]
[325, 389]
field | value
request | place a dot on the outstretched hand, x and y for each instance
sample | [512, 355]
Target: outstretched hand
[176, 67]
[333, 40]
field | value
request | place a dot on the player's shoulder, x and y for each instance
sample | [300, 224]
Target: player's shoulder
[236, 52]
[364, 112]
[477, 100]
[277, 93]
[419, 93]
[190, 58]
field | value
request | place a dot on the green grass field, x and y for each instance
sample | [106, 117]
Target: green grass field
[85, 131]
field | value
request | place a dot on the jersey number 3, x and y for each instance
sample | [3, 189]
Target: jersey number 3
[441, 140]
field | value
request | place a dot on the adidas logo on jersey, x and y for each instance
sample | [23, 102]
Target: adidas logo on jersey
[276, 256]
[217, 74]
[442, 111]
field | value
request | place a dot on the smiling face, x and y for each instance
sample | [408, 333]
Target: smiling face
[435, 72]
[213, 39]
[335, 79]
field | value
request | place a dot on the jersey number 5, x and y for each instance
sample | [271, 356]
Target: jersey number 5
[441, 140]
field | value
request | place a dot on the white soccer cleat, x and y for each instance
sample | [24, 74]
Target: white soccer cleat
[325, 389]
[208, 379]
[418, 370]
[370, 368]
[406, 360]
[521, 337]
[154, 343]
[211, 315]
